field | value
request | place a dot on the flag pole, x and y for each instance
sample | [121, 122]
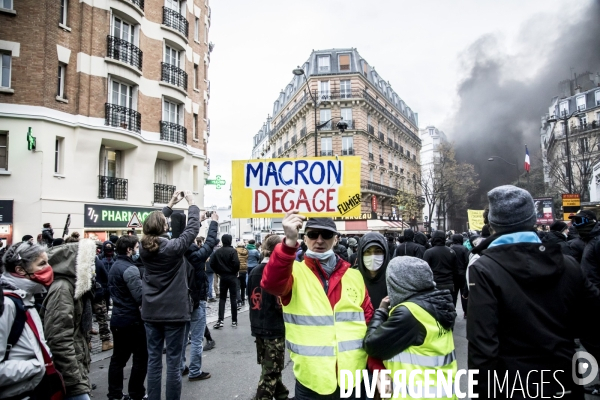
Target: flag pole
[526, 152]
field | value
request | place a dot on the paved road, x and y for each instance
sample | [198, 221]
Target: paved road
[232, 363]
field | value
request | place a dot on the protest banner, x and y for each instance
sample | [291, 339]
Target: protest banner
[316, 186]
[544, 210]
[475, 219]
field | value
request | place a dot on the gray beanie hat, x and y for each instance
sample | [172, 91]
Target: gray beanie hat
[511, 209]
[406, 276]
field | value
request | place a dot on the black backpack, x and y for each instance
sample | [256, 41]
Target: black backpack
[18, 324]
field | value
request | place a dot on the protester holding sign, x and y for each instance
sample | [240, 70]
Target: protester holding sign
[325, 318]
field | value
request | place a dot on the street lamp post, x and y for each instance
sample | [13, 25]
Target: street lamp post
[565, 120]
[509, 163]
[341, 125]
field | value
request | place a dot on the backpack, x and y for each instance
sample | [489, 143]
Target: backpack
[52, 385]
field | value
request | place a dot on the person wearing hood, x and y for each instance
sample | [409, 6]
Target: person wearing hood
[27, 274]
[421, 239]
[47, 234]
[372, 261]
[462, 259]
[558, 235]
[243, 274]
[589, 230]
[576, 243]
[527, 304]
[102, 298]
[67, 314]
[340, 249]
[253, 255]
[409, 247]
[326, 307]
[226, 263]
[443, 262]
[353, 245]
[412, 328]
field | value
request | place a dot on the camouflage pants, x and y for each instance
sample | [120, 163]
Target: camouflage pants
[101, 313]
[270, 355]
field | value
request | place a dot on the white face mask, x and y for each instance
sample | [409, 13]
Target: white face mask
[374, 262]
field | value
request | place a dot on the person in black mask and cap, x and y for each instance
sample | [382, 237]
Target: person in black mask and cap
[372, 260]
[589, 231]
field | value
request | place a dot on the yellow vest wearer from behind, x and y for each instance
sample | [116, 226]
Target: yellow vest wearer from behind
[436, 353]
[323, 341]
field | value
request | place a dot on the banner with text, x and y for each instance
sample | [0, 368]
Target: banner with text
[544, 210]
[475, 219]
[317, 186]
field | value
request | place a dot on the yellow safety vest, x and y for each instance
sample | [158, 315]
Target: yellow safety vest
[436, 353]
[320, 338]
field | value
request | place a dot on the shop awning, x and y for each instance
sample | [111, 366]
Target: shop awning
[380, 225]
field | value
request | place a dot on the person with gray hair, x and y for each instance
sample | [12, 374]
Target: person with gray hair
[412, 328]
[527, 303]
[28, 273]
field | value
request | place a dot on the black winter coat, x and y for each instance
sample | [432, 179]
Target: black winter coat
[410, 249]
[197, 257]
[341, 251]
[557, 238]
[590, 259]
[442, 261]
[266, 314]
[462, 254]
[125, 285]
[101, 281]
[527, 304]
[576, 247]
[225, 261]
[389, 335]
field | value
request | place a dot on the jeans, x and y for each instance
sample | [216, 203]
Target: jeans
[197, 326]
[241, 293]
[211, 278]
[216, 283]
[156, 335]
[127, 341]
[228, 283]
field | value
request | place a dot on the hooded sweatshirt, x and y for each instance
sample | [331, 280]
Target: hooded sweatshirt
[375, 285]
[225, 261]
[409, 247]
[442, 260]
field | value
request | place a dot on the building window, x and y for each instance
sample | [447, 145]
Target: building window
[583, 121]
[584, 145]
[6, 4]
[58, 155]
[370, 147]
[324, 92]
[325, 115]
[598, 97]
[64, 7]
[344, 60]
[173, 5]
[347, 115]
[563, 108]
[205, 112]
[381, 178]
[205, 33]
[326, 149]
[304, 152]
[323, 63]
[6, 69]
[371, 175]
[172, 56]
[124, 31]
[197, 29]
[195, 127]
[171, 112]
[347, 145]
[122, 94]
[60, 92]
[345, 91]
[598, 117]
[196, 77]
[4, 151]
[580, 103]
[380, 152]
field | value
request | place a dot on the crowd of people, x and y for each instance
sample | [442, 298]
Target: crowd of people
[336, 303]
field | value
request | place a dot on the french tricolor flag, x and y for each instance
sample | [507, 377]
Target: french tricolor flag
[527, 163]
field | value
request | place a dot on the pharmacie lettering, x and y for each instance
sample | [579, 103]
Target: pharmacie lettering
[351, 203]
[286, 173]
[282, 200]
[122, 216]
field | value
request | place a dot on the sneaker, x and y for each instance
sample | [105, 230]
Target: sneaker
[218, 325]
[239, 307]
[212, 300]
[186, 371]
[234, 324]
[201, 377]
[210, 344]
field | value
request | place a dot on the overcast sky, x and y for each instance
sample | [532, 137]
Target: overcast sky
[415, 45]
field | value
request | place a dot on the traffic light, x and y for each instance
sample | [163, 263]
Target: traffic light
[30, 140]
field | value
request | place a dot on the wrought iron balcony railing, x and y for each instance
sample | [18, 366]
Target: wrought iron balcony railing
[371, 130]
[379, 188]
[327, 127]
[172, 132]
[350, 123]
[139, 3]
[122, 117]
[112, 188]
[163, 193]
[124, 51]
[326, 153]
[174, 75]
[348, 152]
[175, 20]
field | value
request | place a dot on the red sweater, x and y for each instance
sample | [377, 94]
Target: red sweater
[277, 279]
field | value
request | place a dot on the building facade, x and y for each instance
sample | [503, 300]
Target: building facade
[382, 129]
[579, 104]
[116, 94]
[431, 138]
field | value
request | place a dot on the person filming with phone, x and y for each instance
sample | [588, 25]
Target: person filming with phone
[326, 307]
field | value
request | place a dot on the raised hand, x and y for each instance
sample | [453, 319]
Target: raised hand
[292, 222]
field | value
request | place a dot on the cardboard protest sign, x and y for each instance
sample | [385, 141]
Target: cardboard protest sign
[475, 219]
[316, 186]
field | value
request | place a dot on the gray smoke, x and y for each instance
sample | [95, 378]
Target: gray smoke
[500, 108]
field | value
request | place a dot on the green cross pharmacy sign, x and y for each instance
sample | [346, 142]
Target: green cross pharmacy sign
[218, 182]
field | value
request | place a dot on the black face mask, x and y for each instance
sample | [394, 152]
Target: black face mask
[584, 230]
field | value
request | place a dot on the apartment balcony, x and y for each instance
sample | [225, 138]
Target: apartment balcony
[172, 132]
[327, 127]
[348, 152]
[294, 140]
[380, 161]
[326, 153]
[163, 193]
[371, 157]
[380, 189]
[350, 123]
[112, 188]
[122, 117]
[381, 136]
[303, 132]
[175, 20]
[137, 3]
[371, 130]
[122, 50]
[174, 75]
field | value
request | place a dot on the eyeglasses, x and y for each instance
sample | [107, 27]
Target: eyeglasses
[578, 221]
[326, 235]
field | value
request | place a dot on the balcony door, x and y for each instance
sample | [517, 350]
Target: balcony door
[171, 112]
[174, 5]
[172, 56]
[123, 30]
[121, 99]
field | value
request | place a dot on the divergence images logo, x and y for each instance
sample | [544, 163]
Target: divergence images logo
[584, 368]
